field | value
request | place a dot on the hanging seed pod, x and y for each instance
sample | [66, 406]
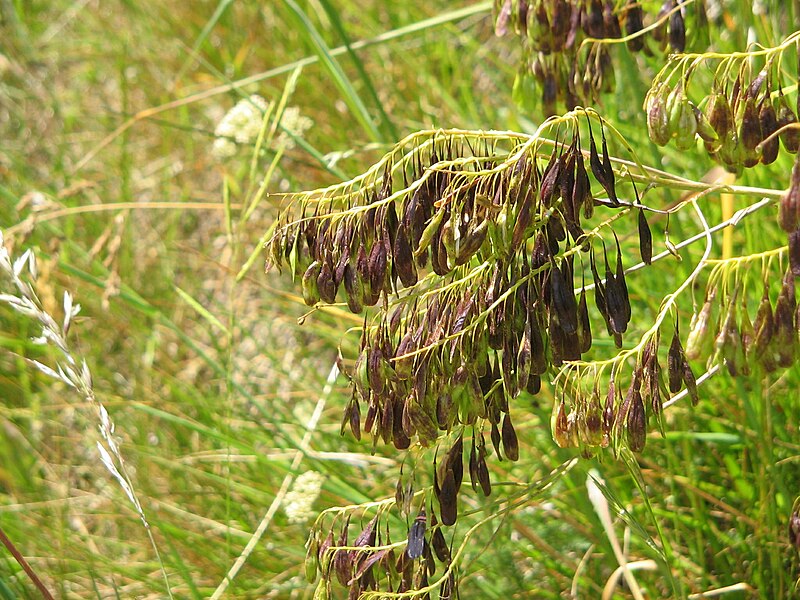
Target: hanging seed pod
[729, 343]
[524, 355]
[677, 29]
[764, 326]
[483, 475]
[561, 427]
[794, 252]
[675, 360]
[690, 382]
[789, 207]
[416, 535]
[705, 130]
[584, 325]
[354, 289]
[719, 113]
[785, 331]
[698, 336]
[636, 429]
[768, 121]
[790, 137]
[657, 114]
[510, 443]
[326, 284]
[563, 298]
[403, 259]
[634, 23]
[440, 546]
[310, 287]
[343, 559]
[448, 500]
[496, 440]
[750, 133]
[645, 239]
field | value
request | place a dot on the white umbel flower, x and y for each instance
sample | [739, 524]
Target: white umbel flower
[299, 500]
[240, 125]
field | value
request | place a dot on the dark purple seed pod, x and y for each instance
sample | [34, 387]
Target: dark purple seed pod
[400, 439]
[790, 137]
[750, 133]
[496, 439]
[510, 443]
[789, 207]
[645, 239]
[636, 429]
[611, 25]
[584, 325]
[448, 499]
[563, 298]
[690, 382]
[785, 331]
[343, 560]
[677, 30]
[416, 535]
[375, 364]
[794, 528]
[403, 258]
[719, 113]
[439, 545]
[764, 326]
[483, 475]
[675, 360]
[354, 289]
[770, 144]
[794, 252]
[592, 20]
[326, 284]
[634, 23]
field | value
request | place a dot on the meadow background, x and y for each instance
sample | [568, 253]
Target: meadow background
[108, 113]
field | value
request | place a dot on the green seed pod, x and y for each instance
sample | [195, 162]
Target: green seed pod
[698, 337]
[310, 287]
[311, 561]
[704, 129]
[354, 289]
[682, 122]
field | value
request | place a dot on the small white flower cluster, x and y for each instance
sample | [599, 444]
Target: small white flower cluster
[240, 125]
[295, 123]
[299, 500]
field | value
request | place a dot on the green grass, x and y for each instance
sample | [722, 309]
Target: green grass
[107, 116]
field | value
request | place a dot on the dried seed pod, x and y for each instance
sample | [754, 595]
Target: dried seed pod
[675, 360]
[440, 546]
[785, 331]
[354, 289]
[768, 121]
[448, 499]
[690, 382]
[634, 23]
[563, 298]
[789, 207]
[310, 287]
[750, 133]
[790, 136]
[636, 429]
[584, 326]
[794, 252]
[719, 113]
[326, 284]
[645, 239]
[343, 560]
[764, 326]
[510, 443]
[496, 440]
[677, 29]
[416, 535]
[403, 259]
[561, 427]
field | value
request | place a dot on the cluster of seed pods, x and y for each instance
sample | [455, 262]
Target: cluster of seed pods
[744, 122]
[478, 275]
[576, 74]
[371, 563]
